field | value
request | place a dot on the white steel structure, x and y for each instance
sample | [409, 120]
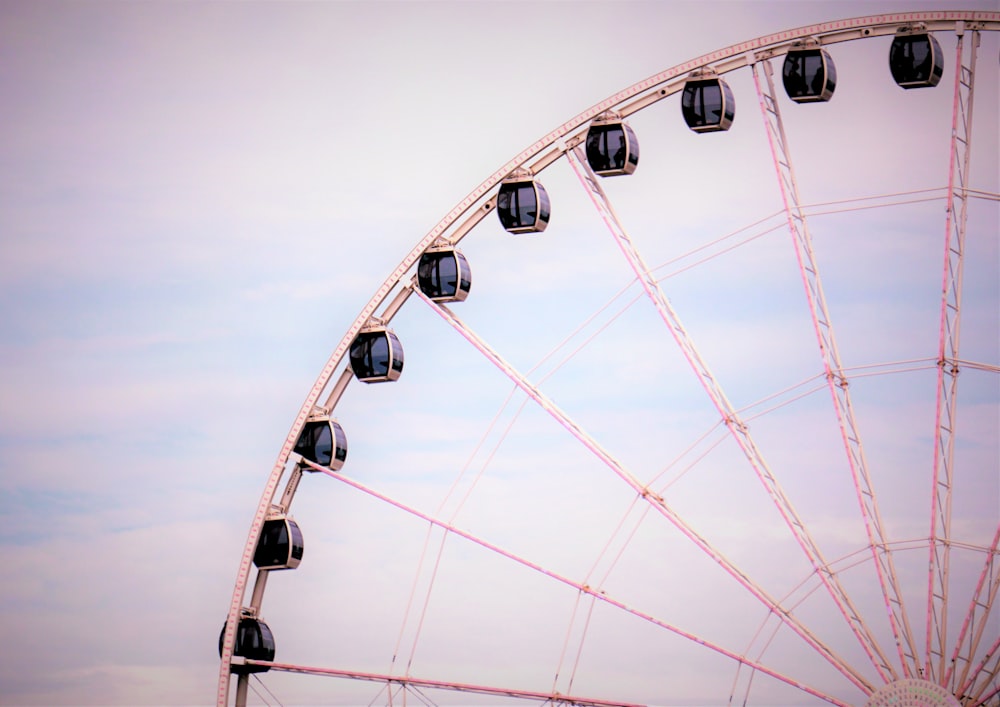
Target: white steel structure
[796, 502]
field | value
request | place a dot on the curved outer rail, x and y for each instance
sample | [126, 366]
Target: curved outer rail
[544, 152]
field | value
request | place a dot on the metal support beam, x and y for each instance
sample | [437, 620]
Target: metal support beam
[983, 598]
[986, 677]
[948, 357]
[548, 698]
[591, 591]
[740, 431]
[838, 385]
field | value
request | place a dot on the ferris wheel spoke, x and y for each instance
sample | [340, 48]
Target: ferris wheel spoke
[990, 695]
[948, 356]
[730, 416]
[984, 596]
[654, 499]
[986, 677]
[768, 629]
[416, 684]
[966, 663]
[586, 589]
[838, 386]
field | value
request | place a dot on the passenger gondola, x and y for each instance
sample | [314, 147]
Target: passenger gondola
[376, 356]
[254, 641]
[523, 205]
[322, 441]
[443, 275]
[915, 60]
[612, 148]
[280, 546]
[809, 75]
[707, 104]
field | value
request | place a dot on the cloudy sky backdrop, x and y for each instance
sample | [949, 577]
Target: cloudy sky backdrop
[198, 198]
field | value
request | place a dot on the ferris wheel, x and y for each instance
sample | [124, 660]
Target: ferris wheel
[693, 451]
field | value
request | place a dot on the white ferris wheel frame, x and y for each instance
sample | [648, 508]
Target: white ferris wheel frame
[933, 661]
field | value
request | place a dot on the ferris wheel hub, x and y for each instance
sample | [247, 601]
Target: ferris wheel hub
[912, 692]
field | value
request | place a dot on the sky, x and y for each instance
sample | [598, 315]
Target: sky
[197, 199]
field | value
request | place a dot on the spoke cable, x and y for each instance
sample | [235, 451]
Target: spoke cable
[600, 595]
[838, 386]
[410, 599]
[981, 687]
[498, 444]
[739, 431]
[426, 603]
[259, 694]
[657, 502]
[721, 435]
[807, 210]
[269, 692]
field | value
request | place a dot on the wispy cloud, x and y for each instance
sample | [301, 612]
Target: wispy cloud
[199, 198]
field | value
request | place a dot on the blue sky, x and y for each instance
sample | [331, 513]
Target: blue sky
[198, 198]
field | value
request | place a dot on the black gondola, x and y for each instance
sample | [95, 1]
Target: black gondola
[915, 60]
[523, 205]
[809, 75]
[280, 546]
[707, 105]
[254, 641]
[323, 442]
[443, 274]
[612, 148]
[376, 356]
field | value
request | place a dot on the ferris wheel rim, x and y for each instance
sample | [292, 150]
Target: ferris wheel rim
[558, 142]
